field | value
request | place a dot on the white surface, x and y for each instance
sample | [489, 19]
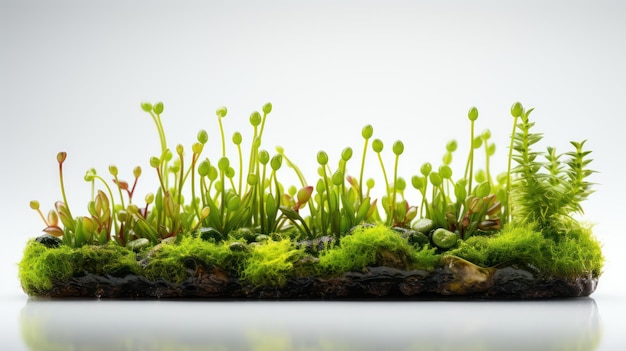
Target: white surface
[72, 75]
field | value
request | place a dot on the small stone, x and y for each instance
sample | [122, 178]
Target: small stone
[138, 244]
[423, 225]
[238, 246]
[49, 241]
[444, 239]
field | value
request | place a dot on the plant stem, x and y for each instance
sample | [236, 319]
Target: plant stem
[507, 212]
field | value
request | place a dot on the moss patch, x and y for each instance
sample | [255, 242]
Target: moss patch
[271, 263]
[41, 266]
[576, 252]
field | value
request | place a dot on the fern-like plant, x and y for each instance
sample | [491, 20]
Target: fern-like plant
[548, 192]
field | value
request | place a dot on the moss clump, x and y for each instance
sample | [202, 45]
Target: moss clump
[169, 261]
[369, 246]
[42, 266]
[574, 253]
[271, 263]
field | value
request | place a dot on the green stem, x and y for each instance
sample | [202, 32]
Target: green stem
[507, 213]
[362, 168]
[393, 201]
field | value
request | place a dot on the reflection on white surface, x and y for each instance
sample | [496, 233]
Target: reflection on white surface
[305, 325]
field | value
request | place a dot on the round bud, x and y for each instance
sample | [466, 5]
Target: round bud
[196, 148]
[276, 162]
[223, 164]
[445, 172]
[480, 176]
[168, 155]
[377, 145]
[370, 183]
[435, 179]
[137, 172]
[337, 178]
[237, 138]
[517, 109]
[398, 148]
[34, 204]
[255, 118]
[280, 149]
[252, 179]
[367, 131]
[292, 190]
[400, 184]
[61, 156]
[346, 154]
[149, 198]
[90, 174]
[113, 170]
[203, 136]
[203, 167]
[451, 146]
[447, 158]
[267, 108]
[486, 134]
[179, 150]
[154, 162]
[212, 173]
[221, 112]
[322, 158]
[158, 108]
[426, 169]
[146, 106]
[230, 172]
[418, 182]
[472, 114]
[491, 149]
[264, 157]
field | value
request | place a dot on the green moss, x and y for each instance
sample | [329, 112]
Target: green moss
[41, 266]
[169, 261]
[574, 253]
[271, 263]
[371, 247]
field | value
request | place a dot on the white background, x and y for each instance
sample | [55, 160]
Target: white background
[73, 74]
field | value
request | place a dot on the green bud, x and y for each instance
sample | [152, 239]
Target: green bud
[34, 204]
[113, 170]
[230, 172]
[322, 158]
[146, 106]
[478, 142]
[212, 173]
[483, 190]
[196, 148]
[90, 174]
[426, 169]
[137, 172]
[154, 162]
[203, 167]
[280, 149]
[276, 162]
[292, 190]
[167, 156]
[158, 108]
[264, 157]
[491, 149]
[223, 164]
[480, 176]
[61, 156]
[337, 178]
[398, 148]
[149, 198]
[445, 172]
[346, 154]
[221, 112]
[179, 150]
[255, 118]
[418, 182]
[370, 183]
[203, 136]
[400, 184]
[367, 131]
[233, 203]
[377, 145]
[122, 215]
[517, 109]
[447, 158]
[267, 108]
[237, 138]
[486, 134]
[435, 179]
[451, 146]
[252, 179]
[472, 114]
